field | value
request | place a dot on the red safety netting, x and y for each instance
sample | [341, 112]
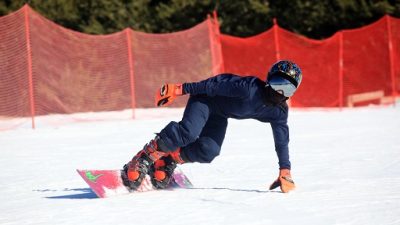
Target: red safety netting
[176, 58]
[319, 63]
[353, 67]
[75, 72]
[249, 56]
[14, 82]
[394, 28]
[47, 69]
[366, 60]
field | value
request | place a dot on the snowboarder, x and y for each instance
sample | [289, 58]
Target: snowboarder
[198, 137]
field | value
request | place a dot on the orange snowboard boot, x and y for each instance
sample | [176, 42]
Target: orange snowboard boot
[135, 171]
[162, 170]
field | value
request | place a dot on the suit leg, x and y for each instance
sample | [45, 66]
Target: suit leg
[179, 134]
[208, 145]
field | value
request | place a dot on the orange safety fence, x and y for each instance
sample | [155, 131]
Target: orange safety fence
[47, 69]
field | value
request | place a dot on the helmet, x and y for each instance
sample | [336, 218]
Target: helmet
[284, 77]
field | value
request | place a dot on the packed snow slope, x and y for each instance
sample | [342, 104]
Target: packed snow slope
[346, 165]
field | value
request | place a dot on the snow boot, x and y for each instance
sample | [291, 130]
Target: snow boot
[162, 170]
[135, 171]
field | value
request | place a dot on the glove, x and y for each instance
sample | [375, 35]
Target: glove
[284, 181]
[167, 94]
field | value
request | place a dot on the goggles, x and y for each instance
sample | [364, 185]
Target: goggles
[282, 85]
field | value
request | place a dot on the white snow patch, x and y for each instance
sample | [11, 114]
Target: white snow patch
[346, 165]
[117, 191]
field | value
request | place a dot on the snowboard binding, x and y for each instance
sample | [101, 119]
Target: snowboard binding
[133, 184]
[161, 172]
[135, 171]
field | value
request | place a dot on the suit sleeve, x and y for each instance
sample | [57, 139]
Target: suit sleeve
[222, 85]
[280, 131]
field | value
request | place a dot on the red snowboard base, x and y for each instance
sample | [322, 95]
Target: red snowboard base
[107, 183]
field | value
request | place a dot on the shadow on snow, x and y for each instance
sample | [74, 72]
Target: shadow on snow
[234, 189]
[85, 193]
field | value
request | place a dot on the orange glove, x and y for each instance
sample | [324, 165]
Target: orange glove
[167, 94]
[284, 181]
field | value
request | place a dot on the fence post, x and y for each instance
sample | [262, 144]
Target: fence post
[391, 59]
[212, 43]
[131, 71]
[276, 40]
[29, 57]
[219, 45]
[340, 64]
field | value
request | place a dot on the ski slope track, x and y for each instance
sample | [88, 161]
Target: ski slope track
[346, 165]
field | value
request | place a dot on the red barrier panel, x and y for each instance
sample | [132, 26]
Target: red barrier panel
[249, 56]
[394, 26]
[319, 61]
[356, 66]
[366, 60]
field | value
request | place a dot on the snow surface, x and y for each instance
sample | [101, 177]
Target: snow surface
[346, 165]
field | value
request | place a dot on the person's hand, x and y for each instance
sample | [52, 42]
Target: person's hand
[284, 181]
[167, 94]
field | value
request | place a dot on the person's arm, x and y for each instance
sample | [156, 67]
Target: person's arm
[227, 85]
[280, 132]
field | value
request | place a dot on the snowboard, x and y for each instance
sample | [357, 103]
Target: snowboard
[107, 183]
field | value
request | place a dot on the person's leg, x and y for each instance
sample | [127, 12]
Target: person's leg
[169, 140]
[203, 150]
[179, 134]
[208, 145]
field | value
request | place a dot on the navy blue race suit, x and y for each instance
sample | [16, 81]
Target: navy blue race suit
[201, 131]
